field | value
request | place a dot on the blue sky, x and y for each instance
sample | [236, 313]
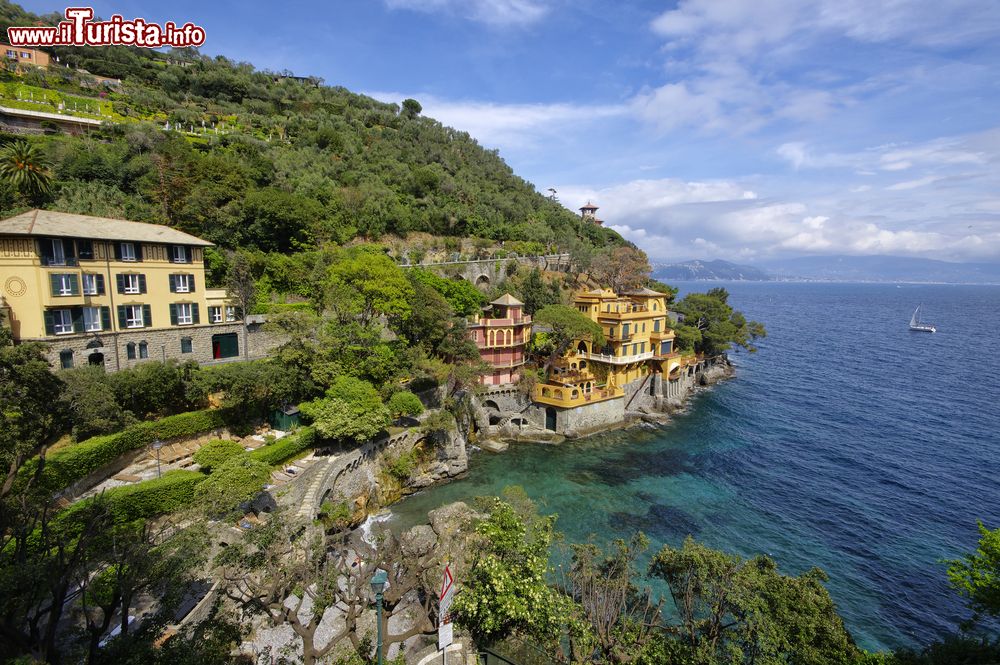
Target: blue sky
[735, 129]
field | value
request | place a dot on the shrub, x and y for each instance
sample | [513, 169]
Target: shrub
[214, 453]
[402, 465]
[286, 448]
[67, 465]
[405, 403]
[149, 498]
[335, 514]
[234, 482]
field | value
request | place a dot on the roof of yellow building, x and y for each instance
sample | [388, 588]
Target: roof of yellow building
[645, 291]
[64, 224]
[507, 299]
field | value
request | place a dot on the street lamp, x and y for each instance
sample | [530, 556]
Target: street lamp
[378, 582]
[157, 444]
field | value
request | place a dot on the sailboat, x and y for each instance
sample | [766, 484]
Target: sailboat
[915, 324]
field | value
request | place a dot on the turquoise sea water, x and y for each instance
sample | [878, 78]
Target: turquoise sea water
[847, 442]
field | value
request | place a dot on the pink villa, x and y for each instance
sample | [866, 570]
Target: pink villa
[501, 333]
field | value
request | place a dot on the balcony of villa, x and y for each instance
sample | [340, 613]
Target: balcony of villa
[510, 321]
[612, 359]
[568, 397]
[662, 334]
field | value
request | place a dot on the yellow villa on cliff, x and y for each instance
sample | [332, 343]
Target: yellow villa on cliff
[637, 355]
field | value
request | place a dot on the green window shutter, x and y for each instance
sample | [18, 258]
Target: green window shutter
[173, 315]
[118, 251]
[138, 253]
[105, 318]
[195, 318]
[120, 280]
[54, 283]
[50, 323]
[187, 254]
[77, 314]
[74, 284]
[147, 316]
[121, 317]
[100, 284]
[173, 283]
[191, 280]
[142, 283]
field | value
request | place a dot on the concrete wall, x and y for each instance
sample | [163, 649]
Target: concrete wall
[162, 343]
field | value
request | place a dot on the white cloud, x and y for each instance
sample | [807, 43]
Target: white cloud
[913, 184]
[493, 12]
[509, 125]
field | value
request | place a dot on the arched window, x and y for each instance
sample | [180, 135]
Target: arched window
[185, 345]
[130, 350]
[143, 350]
[66, 358]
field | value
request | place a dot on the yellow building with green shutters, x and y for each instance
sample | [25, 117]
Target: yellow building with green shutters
[111, 292]
[638, 346]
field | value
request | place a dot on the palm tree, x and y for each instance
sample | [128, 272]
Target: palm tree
[23, 166]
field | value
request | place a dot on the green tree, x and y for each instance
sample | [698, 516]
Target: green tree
[567, 325]
[23, 166]
[744, 611]
[976, 576]
[411, 108]
[89, 403]
[505, 591]
[620, 268]
[351, 410]
[234, 482]
[28, 391]
[405, 403]
[364, 283]
[712, 326]
[536, 293]
[241, 289]
[215, 453]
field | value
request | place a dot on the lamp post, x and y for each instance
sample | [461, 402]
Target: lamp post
[157, 444]
[378, 582]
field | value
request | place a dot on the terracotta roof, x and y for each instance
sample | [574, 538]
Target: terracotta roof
[64, 224]
[589, 206]
[506, 299]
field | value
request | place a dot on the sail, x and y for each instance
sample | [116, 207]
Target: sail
[916, 316]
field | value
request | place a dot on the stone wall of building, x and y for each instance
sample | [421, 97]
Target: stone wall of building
[161, 344]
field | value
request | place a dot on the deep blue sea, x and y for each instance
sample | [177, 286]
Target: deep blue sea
[846, 442]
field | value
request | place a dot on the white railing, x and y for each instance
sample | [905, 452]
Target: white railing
[618, 360]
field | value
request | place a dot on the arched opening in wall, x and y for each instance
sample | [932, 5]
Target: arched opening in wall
[492, 411]
[96, 358]
[483, 282]
[581, 347]
[583, 364]
[550, 418]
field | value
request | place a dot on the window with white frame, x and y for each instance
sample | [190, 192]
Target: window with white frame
[182, 283]
[133, 316]
[230, 313]
[92, 319]
[128, 251]
[184, 316]
[62, 320]
[131, 283]
[179, 253]
[89, 284]
[215, 314]
[64, 285]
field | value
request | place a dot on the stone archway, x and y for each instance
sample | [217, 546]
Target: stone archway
[483, 282]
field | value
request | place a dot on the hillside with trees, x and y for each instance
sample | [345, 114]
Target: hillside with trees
[267, 161]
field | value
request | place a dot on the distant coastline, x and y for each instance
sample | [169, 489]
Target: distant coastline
[834, 269]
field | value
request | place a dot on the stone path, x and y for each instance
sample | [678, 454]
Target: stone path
[310, 501]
